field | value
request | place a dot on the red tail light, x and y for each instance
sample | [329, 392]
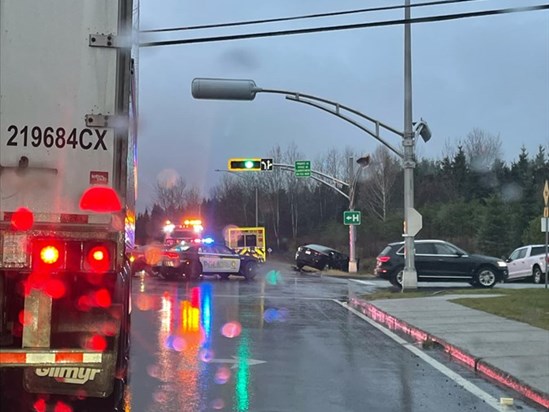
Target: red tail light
[171, 255]
[98, 259]
[384, 259]
[48, 255]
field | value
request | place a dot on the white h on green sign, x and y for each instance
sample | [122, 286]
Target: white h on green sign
[302, 168]
[352, 217]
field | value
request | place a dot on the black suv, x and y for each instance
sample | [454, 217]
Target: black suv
[440, 261]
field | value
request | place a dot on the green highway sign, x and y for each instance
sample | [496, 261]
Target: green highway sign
[302, 168]
[352, 217]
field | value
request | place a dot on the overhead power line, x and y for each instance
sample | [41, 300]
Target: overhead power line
[303, 17]
[384, 23]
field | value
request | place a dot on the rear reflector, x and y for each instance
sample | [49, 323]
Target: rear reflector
[101, 199]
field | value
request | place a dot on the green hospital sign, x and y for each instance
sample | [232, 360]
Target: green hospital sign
[352, 217]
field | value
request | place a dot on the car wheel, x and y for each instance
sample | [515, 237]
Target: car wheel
[250, 270]
[396, 278]
[537, 276]
[224, 276]
[195, 270]
[485, 277]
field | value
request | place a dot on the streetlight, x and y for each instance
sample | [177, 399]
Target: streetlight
[256, 197]
[241, 89]
[363, 162]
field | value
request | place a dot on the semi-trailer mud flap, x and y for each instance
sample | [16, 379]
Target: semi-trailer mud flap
[94, 381]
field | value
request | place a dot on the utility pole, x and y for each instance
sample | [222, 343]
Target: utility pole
[409, 276]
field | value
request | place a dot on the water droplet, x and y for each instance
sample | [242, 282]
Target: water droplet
[231, 329]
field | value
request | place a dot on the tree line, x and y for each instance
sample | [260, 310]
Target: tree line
[470, 197]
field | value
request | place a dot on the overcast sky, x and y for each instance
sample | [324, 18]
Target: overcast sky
[489, 72]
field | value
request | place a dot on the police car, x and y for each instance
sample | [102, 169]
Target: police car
[191, 260]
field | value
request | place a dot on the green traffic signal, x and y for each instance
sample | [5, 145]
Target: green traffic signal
[251, 165]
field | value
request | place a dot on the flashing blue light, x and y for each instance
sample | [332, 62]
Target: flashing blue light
[208, 240]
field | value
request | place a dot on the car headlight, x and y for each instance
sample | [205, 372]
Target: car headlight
[501, 264]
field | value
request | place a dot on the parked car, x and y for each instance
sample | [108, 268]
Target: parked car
[527, 262]
[441, 261]
[321, 257]
[190, 261]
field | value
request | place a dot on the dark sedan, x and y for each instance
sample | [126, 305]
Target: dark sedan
[440, 261]
[190, 261]
[320, 257]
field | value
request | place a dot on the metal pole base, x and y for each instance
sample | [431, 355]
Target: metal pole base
[353, 266]
[409, 279]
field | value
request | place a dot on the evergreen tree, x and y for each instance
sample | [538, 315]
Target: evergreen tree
[492, 233]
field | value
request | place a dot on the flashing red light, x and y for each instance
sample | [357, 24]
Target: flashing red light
[100, 199]
[384, 259]
[49, 254]
[22, 219]
[171, 255]
[98, 259]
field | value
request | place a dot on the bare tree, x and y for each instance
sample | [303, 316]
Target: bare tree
[482, 149]
[293, 186]
[381, 176]
[170, 193]
[272, 184]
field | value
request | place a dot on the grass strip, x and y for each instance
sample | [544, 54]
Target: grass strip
[529, 305]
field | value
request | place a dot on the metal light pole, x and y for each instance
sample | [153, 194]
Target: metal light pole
[362, 162]
[331, 182]
[256, 195]
[245, 89]
[409, 276]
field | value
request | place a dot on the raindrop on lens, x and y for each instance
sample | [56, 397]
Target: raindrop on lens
[218, 404]
[222, 375]
[179, 344]
[231, 329]
[153, 370]
[206, 355]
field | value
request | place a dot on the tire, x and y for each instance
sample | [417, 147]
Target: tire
[195, 270]
[537, 276]
[249, 271]
[485, 277]
[396, 277]
[224, 276]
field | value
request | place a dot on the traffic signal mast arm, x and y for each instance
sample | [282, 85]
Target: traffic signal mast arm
[319, 177]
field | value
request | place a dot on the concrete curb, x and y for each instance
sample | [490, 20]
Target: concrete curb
[475, 363]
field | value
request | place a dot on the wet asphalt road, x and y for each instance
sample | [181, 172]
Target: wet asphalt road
[279, 343]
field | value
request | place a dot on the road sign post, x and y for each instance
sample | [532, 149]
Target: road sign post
[352, 217]
[302, 168]
[546, 217]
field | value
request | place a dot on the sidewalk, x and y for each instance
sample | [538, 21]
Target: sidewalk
[513, 353]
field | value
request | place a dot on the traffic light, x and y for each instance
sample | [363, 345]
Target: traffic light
[250, 165]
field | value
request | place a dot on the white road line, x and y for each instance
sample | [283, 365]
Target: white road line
[464, 383]
[364, 282]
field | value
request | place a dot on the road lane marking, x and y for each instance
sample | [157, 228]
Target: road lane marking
[464, 383]
[364, 282]
[236, 362]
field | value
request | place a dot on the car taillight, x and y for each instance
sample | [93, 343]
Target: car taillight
[171, 255]
[48, 255]
[97, 258]
[384, 259]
